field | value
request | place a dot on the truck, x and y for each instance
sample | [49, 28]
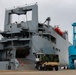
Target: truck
[46, 61]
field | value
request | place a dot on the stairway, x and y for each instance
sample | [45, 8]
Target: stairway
[26, 64]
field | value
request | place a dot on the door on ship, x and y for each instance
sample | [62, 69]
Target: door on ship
[22, 52]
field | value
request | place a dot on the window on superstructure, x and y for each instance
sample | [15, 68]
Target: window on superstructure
[18, 25]
[56, 49]
[46, 37]
[53, 39]
[40, 25]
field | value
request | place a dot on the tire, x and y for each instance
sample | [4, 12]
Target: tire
[56, 68]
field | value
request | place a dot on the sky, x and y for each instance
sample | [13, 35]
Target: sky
[62, 12]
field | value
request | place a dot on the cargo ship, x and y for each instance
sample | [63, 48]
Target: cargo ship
[22, 40]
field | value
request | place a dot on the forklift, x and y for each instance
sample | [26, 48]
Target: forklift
[46, 61]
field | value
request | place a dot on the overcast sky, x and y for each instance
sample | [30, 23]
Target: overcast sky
[62, 12]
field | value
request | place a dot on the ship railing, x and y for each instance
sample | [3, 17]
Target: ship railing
[16, 46]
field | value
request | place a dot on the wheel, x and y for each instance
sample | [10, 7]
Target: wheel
[56, 68]
[39, 67]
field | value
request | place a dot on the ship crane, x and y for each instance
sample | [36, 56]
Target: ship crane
[48, 20]
[72, 49]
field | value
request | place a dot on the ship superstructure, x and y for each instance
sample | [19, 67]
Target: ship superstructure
[22, 40]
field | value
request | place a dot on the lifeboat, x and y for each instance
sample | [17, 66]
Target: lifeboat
[58, 31]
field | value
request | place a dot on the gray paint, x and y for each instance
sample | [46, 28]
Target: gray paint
[36, 42]
[34, 22]
[4, 65]
[1, 46]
